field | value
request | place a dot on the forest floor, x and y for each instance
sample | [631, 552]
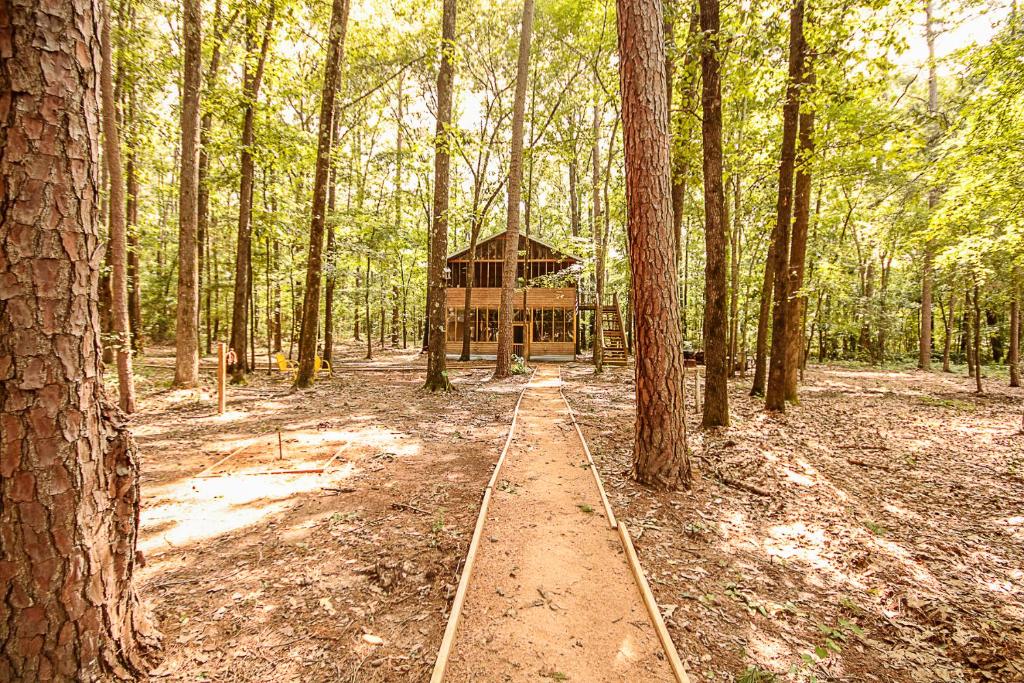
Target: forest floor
[551, 594]
[341, 576]
[875, 532]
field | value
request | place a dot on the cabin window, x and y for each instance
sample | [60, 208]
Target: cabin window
[553, 325]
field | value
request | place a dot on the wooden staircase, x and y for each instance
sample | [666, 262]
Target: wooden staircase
[614, 347]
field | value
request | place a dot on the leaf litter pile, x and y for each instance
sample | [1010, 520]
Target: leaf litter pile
[875, 532]
[345, 575]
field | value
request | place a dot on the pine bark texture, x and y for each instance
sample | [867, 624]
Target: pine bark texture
[775, 394]
[117, 227]
[68, 465]
[435, 337]
[314, 265]
[503, 364]
[186, 371]
[716, 323]
[797, 302]
[660, 455]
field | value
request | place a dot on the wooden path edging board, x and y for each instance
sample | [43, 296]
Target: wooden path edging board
[678, 670]
[650, 603]
[448, 640]
[609, 513]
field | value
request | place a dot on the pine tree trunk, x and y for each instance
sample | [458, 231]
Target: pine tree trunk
[716, 322]
[660, 456]
[797, 302]
[434, 334]
[503, 364]
[775, 398]
[186, 373]
[69, 473]
[311, 296]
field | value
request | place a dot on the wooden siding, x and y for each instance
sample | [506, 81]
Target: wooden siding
[539, 297]
[563, 298]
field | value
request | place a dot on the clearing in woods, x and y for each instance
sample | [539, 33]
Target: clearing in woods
[551, 594]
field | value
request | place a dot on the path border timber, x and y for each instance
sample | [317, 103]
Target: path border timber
[650, 603]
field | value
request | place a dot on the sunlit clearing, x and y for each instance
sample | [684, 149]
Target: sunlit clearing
[245, 492]
[201, 509]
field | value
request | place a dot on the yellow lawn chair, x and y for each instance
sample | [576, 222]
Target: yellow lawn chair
[319, 363]
[285, 365]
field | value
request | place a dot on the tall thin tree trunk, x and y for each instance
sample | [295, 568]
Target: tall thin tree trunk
[599, 248]
[976, 337]
[186, 372]
[251, 80]
[660, 456]
[355, 303]
[203, 222]
[503, 364]
[132, 221]
[574, 198]
[797, 301]
[435, 337]
[118, 231]
[948, 336]
[467, 306]
[69, 471]
[924, 359]
[366, 310]
[311, 298]
[1013, 357]
[716, 321]
[332, 257]
[734, 276]
[775, 398]
[678, 139]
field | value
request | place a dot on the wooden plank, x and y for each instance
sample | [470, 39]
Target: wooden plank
[678, 670]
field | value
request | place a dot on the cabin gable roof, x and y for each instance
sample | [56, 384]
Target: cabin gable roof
[556, 253]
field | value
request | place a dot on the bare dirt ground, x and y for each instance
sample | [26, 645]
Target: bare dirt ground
[873, 533]
[342, 576]
[551, 595]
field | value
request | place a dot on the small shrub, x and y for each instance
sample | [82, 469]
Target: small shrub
[519, 365]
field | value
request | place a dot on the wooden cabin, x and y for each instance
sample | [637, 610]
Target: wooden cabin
[545, 307]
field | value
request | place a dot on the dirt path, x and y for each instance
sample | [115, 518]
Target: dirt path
[551, 596]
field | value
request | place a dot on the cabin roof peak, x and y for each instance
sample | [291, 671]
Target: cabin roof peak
[491, 238]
